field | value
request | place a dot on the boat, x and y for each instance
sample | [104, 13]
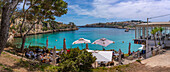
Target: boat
[127, 30]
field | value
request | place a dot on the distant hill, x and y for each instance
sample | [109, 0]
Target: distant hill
[123, 25]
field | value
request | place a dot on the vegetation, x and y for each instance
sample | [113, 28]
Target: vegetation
[40, 10]
[153, 32]
[125, 24]
[120, 68]
[160, 29]
[159, 32]
[6, 11]
[6, 68]
[138, 61]
[77, 60]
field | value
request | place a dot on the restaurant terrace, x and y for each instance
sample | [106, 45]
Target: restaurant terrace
[143, 33]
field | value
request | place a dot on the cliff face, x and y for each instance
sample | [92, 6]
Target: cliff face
[41, 27]
[11, 38]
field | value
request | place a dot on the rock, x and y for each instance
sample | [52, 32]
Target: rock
[11, 38]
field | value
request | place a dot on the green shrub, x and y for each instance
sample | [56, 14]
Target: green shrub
[77, 60]
[35, 47]
[138, 61]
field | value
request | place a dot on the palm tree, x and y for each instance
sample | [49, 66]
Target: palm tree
[160, 30]
[153, 32]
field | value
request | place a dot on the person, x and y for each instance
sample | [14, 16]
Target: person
[27, 54]
[138, 53]
[41, 57]
[113, 52]
[132, 52]
[51, 52]
[103, 49]
[47, 51]
[34, 56]
[31, 52]
[37, 50]
[61, 51]
[122, 55]
[43, 51]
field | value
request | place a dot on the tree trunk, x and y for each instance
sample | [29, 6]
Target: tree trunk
[154, 40]
[24, 37]
[23, 43]
[7, 12]
[5, 22]
[159, 38]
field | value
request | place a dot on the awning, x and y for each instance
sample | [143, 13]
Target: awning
[105, 56]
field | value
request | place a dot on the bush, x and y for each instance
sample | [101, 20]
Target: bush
[35, 47]
[77, 60]
[138, 61]
[34, 66]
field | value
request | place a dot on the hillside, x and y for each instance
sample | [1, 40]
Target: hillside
[125, 24]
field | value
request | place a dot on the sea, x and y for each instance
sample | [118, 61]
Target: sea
[119, 36]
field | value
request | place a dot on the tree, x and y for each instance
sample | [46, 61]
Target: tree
[7, 9]
[77, 60]
[37, 11]
[40, 10]
[160, 29]
[153, 32]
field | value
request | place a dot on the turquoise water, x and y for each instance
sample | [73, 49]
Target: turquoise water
[117, 35]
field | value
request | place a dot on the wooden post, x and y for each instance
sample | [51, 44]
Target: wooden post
[139, 34]
[120, 57]
[143, 32]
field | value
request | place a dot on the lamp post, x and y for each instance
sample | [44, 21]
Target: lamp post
[147, 43]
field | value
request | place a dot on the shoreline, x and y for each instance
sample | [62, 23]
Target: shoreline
[106, 27]
[46, 32]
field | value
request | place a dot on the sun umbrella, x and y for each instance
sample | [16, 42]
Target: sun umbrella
[103, 42]
[81, 41]
[47, 43]
[64, 45]
[87, 46]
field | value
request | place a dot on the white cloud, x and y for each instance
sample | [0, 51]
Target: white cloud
[131, 9]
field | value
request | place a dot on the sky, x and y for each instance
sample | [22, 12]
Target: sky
[83, 12]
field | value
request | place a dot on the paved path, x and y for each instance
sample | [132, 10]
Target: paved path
[162, 60]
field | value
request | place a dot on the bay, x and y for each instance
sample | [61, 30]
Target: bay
[114, 34]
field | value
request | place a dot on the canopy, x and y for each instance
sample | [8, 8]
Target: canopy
[81, 40]
[103, 42]
[105, 56]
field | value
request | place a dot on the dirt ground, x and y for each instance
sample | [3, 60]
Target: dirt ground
[8, 63]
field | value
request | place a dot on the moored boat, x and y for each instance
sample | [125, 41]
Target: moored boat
[127, 30]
